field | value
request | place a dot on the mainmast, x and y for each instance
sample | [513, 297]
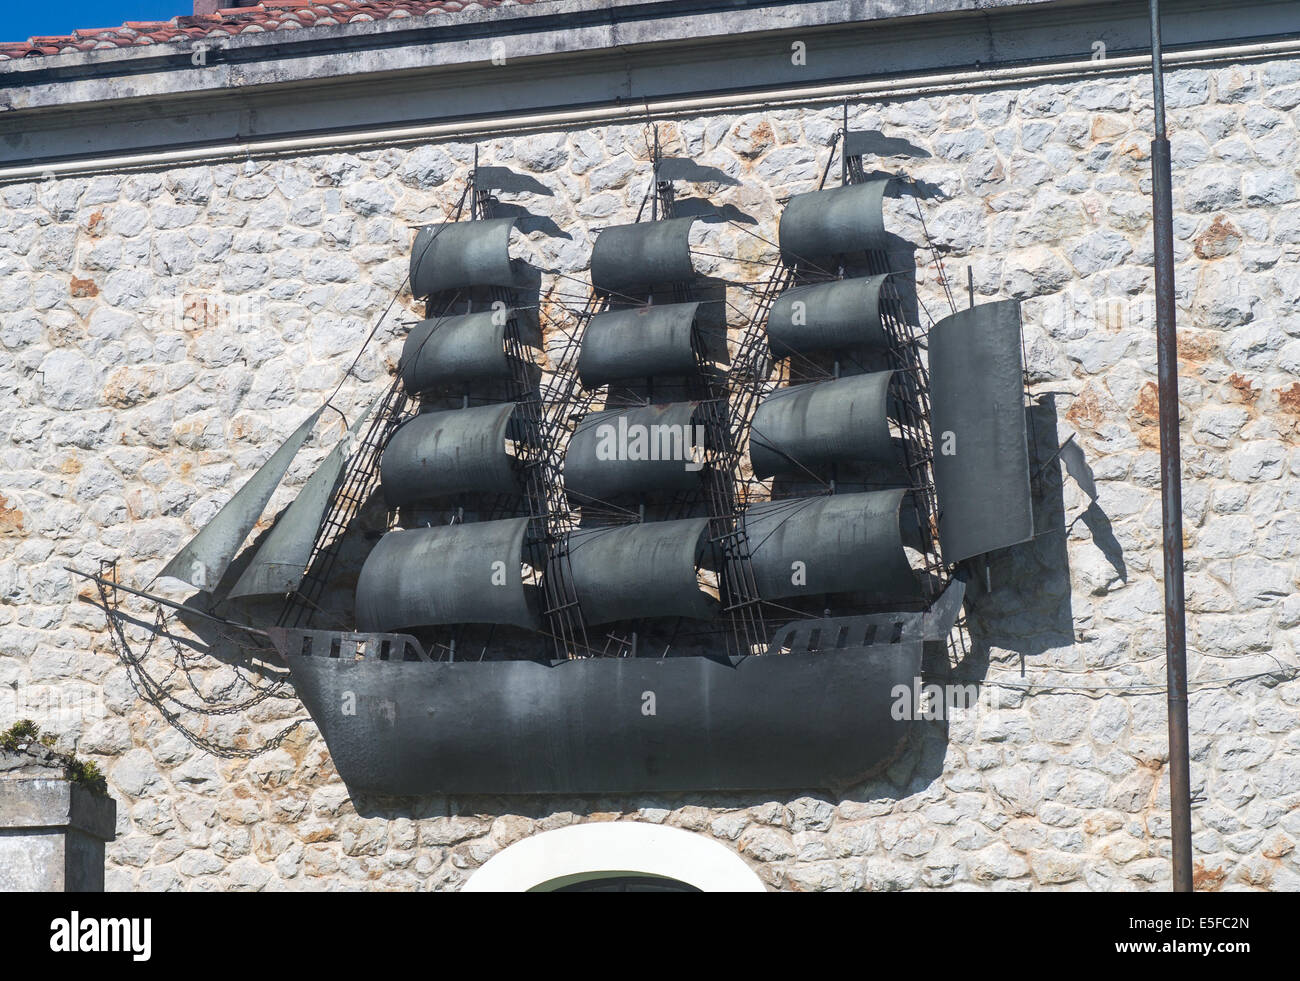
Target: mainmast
[648, 467]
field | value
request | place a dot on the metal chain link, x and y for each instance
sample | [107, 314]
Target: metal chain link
[153, 691]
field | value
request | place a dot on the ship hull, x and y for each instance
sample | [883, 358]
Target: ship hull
[609, 725]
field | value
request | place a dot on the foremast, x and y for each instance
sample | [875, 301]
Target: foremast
[471, 479]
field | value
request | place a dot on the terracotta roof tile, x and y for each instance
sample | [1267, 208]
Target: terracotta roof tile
[269, 15]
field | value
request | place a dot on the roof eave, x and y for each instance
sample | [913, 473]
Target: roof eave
[436, 40]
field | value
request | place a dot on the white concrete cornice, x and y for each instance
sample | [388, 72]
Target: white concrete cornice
[570, 62]
[442, 41]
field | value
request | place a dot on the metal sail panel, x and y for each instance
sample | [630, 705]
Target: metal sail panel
[629, 259]
[281, 560]
[808, 426]
[819, 225]
[640, 571]
[455, 255]
[827, 317]
[466, 573]
[460, 451]
[625, 451]
[642, 342]
[468, 348]
[203, 561]
[846, 543]
[981, 463]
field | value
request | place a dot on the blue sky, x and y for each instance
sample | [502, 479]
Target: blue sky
[24, 20]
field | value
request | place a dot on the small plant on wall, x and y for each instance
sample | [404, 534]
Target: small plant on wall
[24, 734]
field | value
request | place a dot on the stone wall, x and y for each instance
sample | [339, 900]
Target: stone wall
[162, 331]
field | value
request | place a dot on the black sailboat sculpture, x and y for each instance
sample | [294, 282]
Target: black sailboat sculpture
[660, 564]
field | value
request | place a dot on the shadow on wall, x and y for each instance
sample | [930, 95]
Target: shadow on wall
[1028, 610]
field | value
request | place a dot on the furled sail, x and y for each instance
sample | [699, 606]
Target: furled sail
[457, 451]
[451, 574]
[462, 350]
[654, 569]
[652, 448]
[830, 316]
[630, 259]
[819, 225]
[204, 560]
[981, 467]
[808, 426]
[281, 560]
[456, 255]
[845, 543]
[638, 342]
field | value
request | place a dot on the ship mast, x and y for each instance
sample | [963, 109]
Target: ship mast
[834, 400]
[471, 480]
[646, 359]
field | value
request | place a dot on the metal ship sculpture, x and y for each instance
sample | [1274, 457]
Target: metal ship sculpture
[630, 555]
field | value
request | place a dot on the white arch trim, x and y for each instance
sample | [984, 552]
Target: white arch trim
[583, 851]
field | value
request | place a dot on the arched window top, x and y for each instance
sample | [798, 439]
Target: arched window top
[628, 850]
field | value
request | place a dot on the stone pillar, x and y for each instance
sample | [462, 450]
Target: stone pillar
[52, 831]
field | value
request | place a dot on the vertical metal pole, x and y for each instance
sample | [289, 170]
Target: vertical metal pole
[844, 145]
[654, 176]
[473, 194]
[1171, 490]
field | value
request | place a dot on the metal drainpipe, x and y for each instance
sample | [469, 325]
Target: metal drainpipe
[1171, 490]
